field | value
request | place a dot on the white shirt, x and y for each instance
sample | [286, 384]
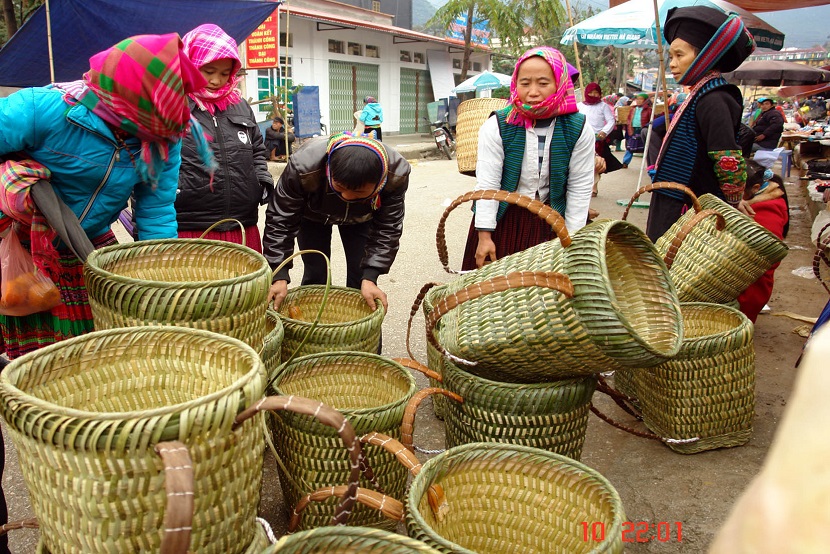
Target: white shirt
[534, 181]
[600, 116]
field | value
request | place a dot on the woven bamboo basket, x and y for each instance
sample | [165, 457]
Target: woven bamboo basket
[372, 392]
[272, 347]
[714, 259]
[471, 116]
[203, 284]
[348, 540]
[704, 398]
[95, 406]
[508, 498]
[623, 311]
[347, 324]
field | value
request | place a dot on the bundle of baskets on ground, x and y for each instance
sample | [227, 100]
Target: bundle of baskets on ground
[507, 498]
[204, 284]
[623, 312]
[96, 406]
[346, 323]
[348, 540]
[704, 398]
[372, 392]
[471, 116]
[434, 357]
[708, 264]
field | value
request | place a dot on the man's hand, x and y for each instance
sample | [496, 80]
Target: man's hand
[370, 292]
[601, 135]
[486, 248]
[599, 164]
[278, 292]
[759, 138]
[744, 207]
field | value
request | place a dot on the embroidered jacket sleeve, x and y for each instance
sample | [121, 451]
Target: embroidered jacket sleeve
[716, 115]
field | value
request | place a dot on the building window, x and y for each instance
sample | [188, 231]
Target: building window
[375, 5]
[418, 57]
[456, 63]
[286, 67]
[476, 66]
[355, 49]
[290, 40]
[336, 46]
[372, 51]
[405, 56]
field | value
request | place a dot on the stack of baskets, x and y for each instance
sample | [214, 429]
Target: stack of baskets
[471, 116]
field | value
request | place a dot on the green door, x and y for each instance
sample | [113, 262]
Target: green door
[416, 92]
[349, 83]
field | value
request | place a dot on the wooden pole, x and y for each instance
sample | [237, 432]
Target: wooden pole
[576, 50]
[49, 44]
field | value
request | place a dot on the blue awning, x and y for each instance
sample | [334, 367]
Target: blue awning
[81, 28]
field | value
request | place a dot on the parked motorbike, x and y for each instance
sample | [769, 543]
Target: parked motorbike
[444, 139]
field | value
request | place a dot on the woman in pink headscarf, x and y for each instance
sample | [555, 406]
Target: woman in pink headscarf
[538, 146]
[242, 181]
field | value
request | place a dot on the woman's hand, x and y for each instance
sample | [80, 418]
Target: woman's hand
[370, 292]
[486, 248]
[744, 207]
[277, 293]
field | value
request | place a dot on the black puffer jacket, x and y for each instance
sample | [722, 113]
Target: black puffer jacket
[240, 179]
[303, 192]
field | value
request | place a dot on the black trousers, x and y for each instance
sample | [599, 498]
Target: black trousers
[663, 211]
[377, 131]
[317, 236]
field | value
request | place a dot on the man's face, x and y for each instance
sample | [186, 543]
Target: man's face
[766, 105]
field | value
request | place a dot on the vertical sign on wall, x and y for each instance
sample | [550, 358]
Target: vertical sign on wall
[262, 46]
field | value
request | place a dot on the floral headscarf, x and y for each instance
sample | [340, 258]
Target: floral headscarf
[560, 102]
[206, 44]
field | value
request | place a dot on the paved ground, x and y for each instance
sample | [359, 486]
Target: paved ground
[655, 483]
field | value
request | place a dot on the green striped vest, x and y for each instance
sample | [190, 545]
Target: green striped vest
[566, 132]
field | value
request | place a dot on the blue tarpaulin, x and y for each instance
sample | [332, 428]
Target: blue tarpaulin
[81, 28]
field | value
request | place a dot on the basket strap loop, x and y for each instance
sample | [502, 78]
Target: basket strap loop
[720, 225]
[30, 523]
[542, 210]
[178, 483]
[418, 366]
[414, 310]
[327, 416]
[396, 448]
[226, 220]
[408, 424]
[388, 506]
[821, 256]
[658, 186]
[515, 280]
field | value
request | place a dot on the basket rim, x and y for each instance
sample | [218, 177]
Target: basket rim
[122, 279]
[515, 387]
[10, 390]
[377, 313]
[381, 535]
[744, 323]
[490, 448]
[413, 385]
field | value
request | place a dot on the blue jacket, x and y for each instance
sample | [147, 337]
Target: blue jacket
[90, 172]
[372, 115]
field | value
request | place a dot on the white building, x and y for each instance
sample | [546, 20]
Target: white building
[350, 53]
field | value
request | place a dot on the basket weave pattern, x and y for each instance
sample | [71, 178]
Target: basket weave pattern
[203, 284]
[372, 392]
[716, 266]
[708, 390]
[348, 540]
[272, 347]
[513, 499]
[346, 325]
[85, 414]
[471, 116]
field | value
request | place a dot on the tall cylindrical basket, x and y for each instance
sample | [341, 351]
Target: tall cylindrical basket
[471, 116]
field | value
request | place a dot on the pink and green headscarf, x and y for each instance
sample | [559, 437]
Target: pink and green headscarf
[559, 103]
[206, 44]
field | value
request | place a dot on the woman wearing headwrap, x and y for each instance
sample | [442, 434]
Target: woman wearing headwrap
[356, 183]
[701, 149]
[601, 119]
[98, 140]
[638, 119]
[538, 146]
[242, 181]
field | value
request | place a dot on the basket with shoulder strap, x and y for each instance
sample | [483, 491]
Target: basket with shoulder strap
[714, 252]
[471, 116]
[623, 311]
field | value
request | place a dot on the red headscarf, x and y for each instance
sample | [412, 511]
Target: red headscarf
[560, 102]
[589, 88]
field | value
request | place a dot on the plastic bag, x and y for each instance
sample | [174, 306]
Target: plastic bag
[24, 290]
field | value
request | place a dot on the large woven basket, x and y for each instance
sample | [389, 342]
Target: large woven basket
[704, 398]
[347, 323]
[507, 498]
[714, 259]
[348, 540]
[623, 312]
[204, 284]
[372, 392]
[272, 347]
[85, 415]
[471, 116]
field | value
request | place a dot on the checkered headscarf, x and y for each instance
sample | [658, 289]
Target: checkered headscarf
[206, 44]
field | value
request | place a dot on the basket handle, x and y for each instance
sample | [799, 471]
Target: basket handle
[662, 185]
[226, 220]
[414, 310]
[820, 256]
[418, 366]
[403, 454]
[517, 279]
[542, 210]
[720, 225]
[408, 423]
[388, 506]
[178, 483]
[327, 416]
[30, 523]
